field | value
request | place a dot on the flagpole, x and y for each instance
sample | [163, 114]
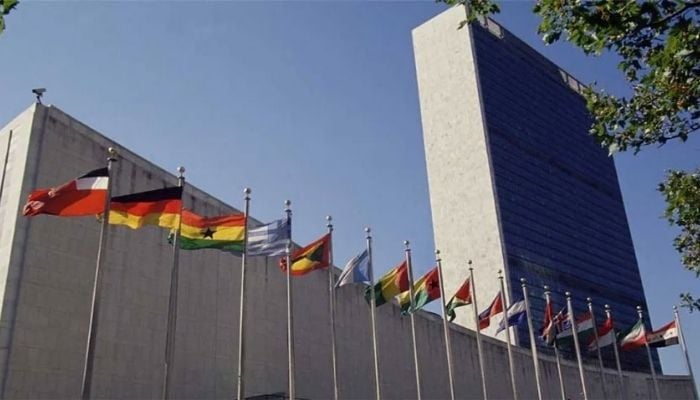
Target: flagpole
[331, 294]
[623, 391]
[172, 303]
[476, 329]
[445, 326]
[640, 313]
[577, 347]
[562, 390]
[533, 344]
[413, 321]
[240, 381]
[600, 355]
[372, 305]
[508, 345]
[290, 320]
[88, 362]
[681, 339]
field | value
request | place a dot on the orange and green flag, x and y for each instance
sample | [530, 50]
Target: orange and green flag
[314, 256]
[463, 297]
[389, 285]
[160, 207]
[425, 290]
[225, 232]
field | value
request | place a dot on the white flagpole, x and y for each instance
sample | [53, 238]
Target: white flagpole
[241, 311]
[172, 304]
[623, 391]
[562, 389]
[413, 322]
[600, 355]
[533, 343]
[290, 314]
[640, 313]
[372, 305]
[508, 344]
[331, 309]
[681, 340]
[445, 326]
[476, 329]
[88, 362]
[577, 347]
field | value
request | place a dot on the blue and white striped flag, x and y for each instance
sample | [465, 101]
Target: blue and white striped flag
[270, 239]
[355, 271]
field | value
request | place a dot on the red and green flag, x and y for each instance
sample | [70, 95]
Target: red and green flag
[389, 286]
[314, 256]
[634, 337]
[463, 297]
[225, 232]
[425, 290]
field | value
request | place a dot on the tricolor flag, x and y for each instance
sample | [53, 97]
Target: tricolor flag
[584, 328]
[666, 336]
[314, 256]
[552, 324]
[463, 297]
[389, 286]
[225, 232]
[355, 271]
[425, 290]
[606, 336]
[161, 207]
[634, 337]
[270, 239]
[495, 307]
[516, 315]
[85, 195]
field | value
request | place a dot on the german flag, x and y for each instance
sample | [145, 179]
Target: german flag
[159, 207]
[315, 256]
[225, 232]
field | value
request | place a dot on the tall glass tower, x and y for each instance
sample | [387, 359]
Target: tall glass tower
[516, 182]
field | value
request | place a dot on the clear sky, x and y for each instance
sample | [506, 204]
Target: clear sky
[311, 101]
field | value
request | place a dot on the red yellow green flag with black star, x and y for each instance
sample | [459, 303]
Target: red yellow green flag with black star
[425, 290]
[225, 232]
[314, 256]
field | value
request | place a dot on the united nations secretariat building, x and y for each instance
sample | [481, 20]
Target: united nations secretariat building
[511, 131]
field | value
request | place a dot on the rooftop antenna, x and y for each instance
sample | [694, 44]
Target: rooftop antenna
[39, 92]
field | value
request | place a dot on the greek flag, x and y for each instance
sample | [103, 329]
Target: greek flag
[270, 239]
[355, 271]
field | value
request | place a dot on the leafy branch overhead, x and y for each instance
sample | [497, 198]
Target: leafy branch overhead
[5, 7]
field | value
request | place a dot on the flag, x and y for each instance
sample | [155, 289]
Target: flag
[355, 271]
[634, 337]
[270, 239]
[85, 195]
[314, 256]
[389, 285]
[666, 336]
[606, 336]
[159, 207]
[463, 297]
[584, 329]
[425, 290]
[516, 315]
[495, 307]
[225, 232]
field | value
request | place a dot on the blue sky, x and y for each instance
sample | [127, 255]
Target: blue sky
[311, 101]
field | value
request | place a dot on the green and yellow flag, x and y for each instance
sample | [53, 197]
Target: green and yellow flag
[225, 232]
[389, 285]
[425, 290]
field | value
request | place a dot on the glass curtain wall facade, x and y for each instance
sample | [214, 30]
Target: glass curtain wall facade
[558, 197]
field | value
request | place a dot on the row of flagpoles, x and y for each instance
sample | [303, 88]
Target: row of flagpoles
[92, 194]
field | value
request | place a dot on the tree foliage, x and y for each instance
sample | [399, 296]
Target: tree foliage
[5, 7]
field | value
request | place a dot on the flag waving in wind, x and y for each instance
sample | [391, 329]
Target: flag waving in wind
[515, 315]
[425, 290]
[85, 195]
[160, 207]
[666, 336]
[495, 307]
[314, 256]
[355, 271]
[389, 286]
[271, 239]
[463, 297]
[606, 336]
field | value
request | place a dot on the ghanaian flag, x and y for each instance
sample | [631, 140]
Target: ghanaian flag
[225, 232]
[315, 256]
[159, 207]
